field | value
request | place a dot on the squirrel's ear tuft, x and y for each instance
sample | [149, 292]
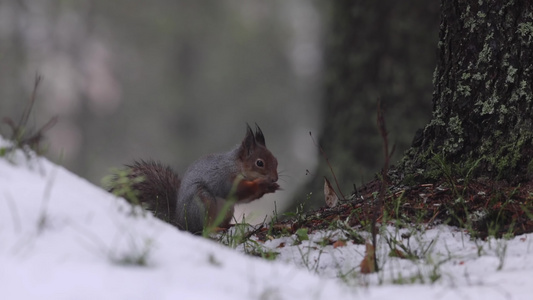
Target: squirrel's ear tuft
[259, 137]
[248, 143]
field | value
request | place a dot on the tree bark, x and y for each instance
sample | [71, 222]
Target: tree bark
[482, 99]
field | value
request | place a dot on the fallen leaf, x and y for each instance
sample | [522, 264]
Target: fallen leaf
[283, 227]
[368, 264]
[329, 194]
[339, 243]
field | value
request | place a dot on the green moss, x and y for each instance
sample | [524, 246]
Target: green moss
[466, 75]
[502, 114]
[486, 145]
[502, 162]
[463, 90]
[526, 32]
[511, 72]
[507, 158]
[479, 76]
[438, 167]
[455, 141]
[409, 180]
[469, 22]
[522, 89]
[456, 125]
[486, 54]
[487, 107]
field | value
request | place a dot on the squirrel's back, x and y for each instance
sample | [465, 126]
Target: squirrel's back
[216, 172]
[206, 182]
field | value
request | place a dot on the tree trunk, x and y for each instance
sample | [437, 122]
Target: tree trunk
[374, 49]
[482, 99]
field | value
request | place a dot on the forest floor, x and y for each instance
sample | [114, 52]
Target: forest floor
[484, 207]
[64, 238]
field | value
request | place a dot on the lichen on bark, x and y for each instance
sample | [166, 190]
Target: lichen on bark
[483, 91]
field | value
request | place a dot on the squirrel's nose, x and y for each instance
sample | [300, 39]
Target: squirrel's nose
[275, 177]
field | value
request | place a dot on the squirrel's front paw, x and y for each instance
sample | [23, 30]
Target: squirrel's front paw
[274, 187]
[268, 186]
[249, 190]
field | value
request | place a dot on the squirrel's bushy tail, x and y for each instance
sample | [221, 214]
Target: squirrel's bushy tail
[157, 189]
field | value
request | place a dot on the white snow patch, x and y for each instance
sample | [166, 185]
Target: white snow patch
[63, 238]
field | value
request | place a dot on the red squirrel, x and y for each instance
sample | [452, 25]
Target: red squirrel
[210, 186]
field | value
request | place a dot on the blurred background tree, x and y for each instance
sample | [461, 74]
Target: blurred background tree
[373, 50]
[173, 80]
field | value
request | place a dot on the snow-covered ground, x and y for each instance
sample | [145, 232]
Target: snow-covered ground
[64, 238]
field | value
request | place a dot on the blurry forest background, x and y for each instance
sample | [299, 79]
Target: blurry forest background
[174, 80]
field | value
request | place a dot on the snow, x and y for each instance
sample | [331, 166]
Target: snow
[63, 238]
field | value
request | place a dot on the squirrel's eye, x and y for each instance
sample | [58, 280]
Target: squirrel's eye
[260, 163]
